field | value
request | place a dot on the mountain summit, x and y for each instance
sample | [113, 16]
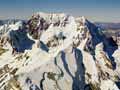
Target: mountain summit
[57, 52]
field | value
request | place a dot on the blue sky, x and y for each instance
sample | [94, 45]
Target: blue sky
[95, 10]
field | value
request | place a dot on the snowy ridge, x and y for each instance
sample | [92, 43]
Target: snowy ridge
[56, 52]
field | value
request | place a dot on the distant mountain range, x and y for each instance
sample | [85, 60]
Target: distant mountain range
[108, 26]
[2, 22]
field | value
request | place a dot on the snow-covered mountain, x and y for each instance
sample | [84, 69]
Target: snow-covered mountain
[57, 52]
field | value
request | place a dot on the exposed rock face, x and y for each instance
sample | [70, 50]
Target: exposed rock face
[57, 52]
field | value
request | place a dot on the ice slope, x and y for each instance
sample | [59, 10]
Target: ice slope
[56, 52]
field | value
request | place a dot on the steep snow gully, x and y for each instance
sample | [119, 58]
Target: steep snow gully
[57, 52]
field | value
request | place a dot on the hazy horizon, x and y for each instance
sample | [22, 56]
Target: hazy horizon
[94, 10]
